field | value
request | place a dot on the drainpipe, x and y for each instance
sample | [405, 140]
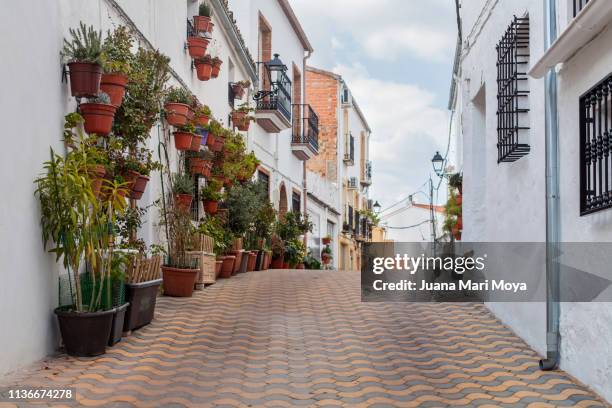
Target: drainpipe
[304, 183]
[552, 198]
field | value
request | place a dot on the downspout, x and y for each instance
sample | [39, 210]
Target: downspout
[552, 198]
[304, 183]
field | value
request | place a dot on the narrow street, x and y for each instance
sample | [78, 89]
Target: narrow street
[302, 338]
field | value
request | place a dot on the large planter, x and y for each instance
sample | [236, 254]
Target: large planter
[176, 113]
[244, 262]
[139, 187]
[141, 298]
[238, 254]
[178, 282]
[183, 201]
[203, 69]
[277, 263]
[84, 79]
[218, 265]
[98, 117]
[202, 24]
[227, 268]
[197, 46]
[118, 322]
[252, 261]
[182, 140]
[85, 334]
[241, 121]
[216, 68]
[114, 86]
[211, 207]
[195, 142]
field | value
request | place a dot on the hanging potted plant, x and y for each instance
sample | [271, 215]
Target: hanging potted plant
[216, 67]
[326, 255]
[278, 253]
[116, 57]
[202, 22]
[182, 188]
[197, 161]
[177, 106]
[211, 197]
[196, 142]
[197, 46]
[69, 212]
[327, 240]
[183, 137]
[84, 55]
[239, 87]
[453, 222]
[241, 118]
[180, 270]
[98, 114]
[204, 67]
[202, 116]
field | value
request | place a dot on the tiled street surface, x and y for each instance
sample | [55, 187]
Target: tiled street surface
[302, 338]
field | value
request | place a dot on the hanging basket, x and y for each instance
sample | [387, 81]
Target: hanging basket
[182, 140]
[202, 24]
[114, 85]
[98, 118]
[204, 69]
[84, 79]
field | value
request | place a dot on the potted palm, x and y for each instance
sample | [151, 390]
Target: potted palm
[202, 22]
[177, 106]
[98, 113]
[75, 223]
[117, 57]
[204, 67]
[83, 53]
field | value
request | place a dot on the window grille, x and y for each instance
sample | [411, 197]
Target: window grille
[513, 91]
[579, 5]
[595, 162]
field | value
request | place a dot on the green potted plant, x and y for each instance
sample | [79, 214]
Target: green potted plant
[76, 223]
[453, 222]
[83, 53]
[326, 255]
[295, 251]
[239, 87]
[177, 106]
[216, 67]
[117, 58]
[204, 67]
[241, 118]
[183, 137]
[197, 45]
[98, 113]
[456, 181]
[211, 196]
[202, 115]
[182, 188]
[202, 22]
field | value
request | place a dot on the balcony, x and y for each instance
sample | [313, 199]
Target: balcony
[366, 181]
[305, 139]
[349, 155]
[351, 183]
[273, 111]
[590, 18]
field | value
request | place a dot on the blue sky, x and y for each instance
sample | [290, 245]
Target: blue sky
[396, 56]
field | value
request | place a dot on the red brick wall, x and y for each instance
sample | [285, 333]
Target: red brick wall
[322, 95]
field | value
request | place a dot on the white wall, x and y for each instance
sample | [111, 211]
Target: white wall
[411, 216]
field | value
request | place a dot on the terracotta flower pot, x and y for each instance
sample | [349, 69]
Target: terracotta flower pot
[210, 141]
[228, 266]
[182, 140]
[285, 265]
[206, 171]
[195, 142]
[202, 24]
[300, 266]
[216, 69]
[114, 85]
[98, 117]
[183, 202]
[84, 79]
[238, 91]
[277, 263]
[252, 261]
[460, 223]
[96, 173]
[211, 207]
[219, 143]
[176, 113]
[197, 46]
[326, 241]
[240, 120]
[179, 282]
[238, 255]
[203, 70]
[196, 165]
[139, 187]
[459, 199]
[190, 114]
[202, 120]
[218, 265]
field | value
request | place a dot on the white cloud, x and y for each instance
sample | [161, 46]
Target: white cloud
[336, 43]
[422, 42]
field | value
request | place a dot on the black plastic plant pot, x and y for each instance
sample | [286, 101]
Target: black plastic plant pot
[85, 334]
[117, 327]
[260, 259]
[142, 298]
[244, 262]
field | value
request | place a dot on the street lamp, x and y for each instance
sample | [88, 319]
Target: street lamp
[275, 69]
[376, 207]
[438, 163]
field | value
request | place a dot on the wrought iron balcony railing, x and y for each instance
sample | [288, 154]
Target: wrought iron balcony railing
[305, 126]
[280, 97]
[579, 5]
[367, 176]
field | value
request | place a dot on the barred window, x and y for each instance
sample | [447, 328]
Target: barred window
[595, 162]
[513, 91]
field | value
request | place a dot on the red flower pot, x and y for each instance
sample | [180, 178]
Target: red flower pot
[277, 263]
[285, 265]
[182, 140]
[196, 165]
[219, 143]
[218, 265]
[179, 282]
[195, 142]
[114, 85]
[183, 202]
[300, 266]
[202, 24]
[197, 46]
[211, 207]
[190, 114]
[240, 120]
[98, 117]
[139, 187]
[238, 91]
[326, 241]
[202, 120]
[210, 141]
[227, 268]
[252, 261]
[84, 79]
[216, 69]
[96, 173]
[203, 70]
[206, 171]
[176, 113]
[238, 254]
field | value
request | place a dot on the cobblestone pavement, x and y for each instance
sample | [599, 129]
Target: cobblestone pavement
[302, 338]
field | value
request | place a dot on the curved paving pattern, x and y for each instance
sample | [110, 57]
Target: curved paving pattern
[302, 338]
